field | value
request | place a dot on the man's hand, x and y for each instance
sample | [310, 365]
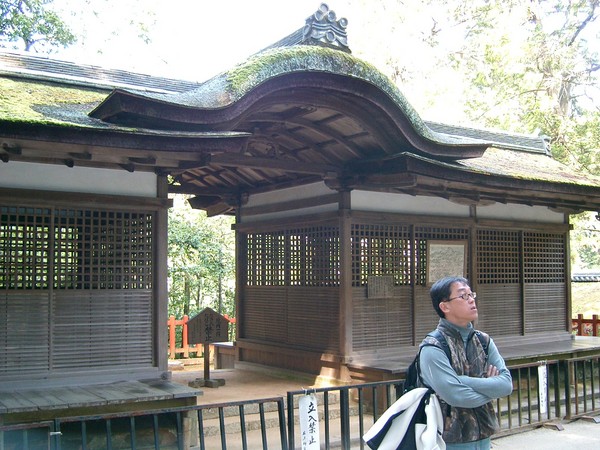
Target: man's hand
[492, 371]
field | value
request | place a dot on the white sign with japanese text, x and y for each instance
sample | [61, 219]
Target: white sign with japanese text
[309, 422]
[543, 388]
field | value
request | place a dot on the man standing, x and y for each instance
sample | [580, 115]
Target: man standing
[477, 374]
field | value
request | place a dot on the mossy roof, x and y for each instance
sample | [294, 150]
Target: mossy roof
[229, 87]
[38, 102]
[33, 100]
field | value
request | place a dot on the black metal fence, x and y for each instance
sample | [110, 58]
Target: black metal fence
[345, 413]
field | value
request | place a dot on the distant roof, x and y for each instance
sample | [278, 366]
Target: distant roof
[585, 277]
[32, 66]
[534, 144]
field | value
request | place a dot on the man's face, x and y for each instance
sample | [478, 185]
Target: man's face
[457, 310]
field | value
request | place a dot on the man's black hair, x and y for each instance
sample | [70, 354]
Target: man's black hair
[442, 289]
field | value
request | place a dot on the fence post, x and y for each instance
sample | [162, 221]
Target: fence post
[579, 324]
[184, 337]
[568, 367]
[595, 325]
[171, 326]
[345, 418]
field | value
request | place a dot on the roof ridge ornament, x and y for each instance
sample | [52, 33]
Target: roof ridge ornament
[323, 27]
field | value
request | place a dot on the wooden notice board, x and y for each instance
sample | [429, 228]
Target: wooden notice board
[208, 326]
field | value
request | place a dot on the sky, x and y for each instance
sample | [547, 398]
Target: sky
[190, 39]
[197, 39]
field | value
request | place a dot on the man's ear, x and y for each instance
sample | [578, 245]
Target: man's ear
[444, 307]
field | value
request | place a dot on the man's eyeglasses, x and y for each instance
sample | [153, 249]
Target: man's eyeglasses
[465, 297]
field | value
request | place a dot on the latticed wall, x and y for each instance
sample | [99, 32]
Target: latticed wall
[75, 289]
[292, 292]
[499, 272]
[398, 250]
[545, 274]
[379, 250]
[298, 257]
[519, 276]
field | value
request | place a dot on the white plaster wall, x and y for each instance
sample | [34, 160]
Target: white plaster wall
[291, 213]
[395, 203]
[288, 195]
[406, 204]
[21, 175]
[519, 212]
[294, 193]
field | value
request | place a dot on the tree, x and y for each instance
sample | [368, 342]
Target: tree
[527, 66]
[33, 24]
[201, 261]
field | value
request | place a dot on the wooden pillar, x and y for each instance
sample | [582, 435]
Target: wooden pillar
[568, 292]
[241, 262]
[345, 307]
[161, 296]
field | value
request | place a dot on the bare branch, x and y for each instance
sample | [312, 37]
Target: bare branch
[583, 24]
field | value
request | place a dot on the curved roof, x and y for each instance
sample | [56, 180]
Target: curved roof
[308, 77]
[287, 116]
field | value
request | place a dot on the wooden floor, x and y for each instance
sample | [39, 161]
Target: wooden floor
[30, 400]
[514, 349]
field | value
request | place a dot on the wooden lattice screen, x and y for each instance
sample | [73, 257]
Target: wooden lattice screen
[379, 250]
[423, 235]
[521, 281]
[292, 290]
[499, 272]
[298, 257]
[544, 273]
[75, 249]
[75, 289]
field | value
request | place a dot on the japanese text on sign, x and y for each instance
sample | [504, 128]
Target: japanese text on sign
[309, 422]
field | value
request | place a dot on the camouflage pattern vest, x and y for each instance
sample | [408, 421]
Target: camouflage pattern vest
[466, 424]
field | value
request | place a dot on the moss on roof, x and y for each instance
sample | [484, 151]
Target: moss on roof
[526, 166]
[228, 87]
[31, 101]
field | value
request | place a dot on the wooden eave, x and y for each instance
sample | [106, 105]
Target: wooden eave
[305, 77]
[132, 150]
[456, 181]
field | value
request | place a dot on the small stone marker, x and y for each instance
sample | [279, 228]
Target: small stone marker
[207, 327]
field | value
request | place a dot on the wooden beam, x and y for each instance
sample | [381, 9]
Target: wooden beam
[284, 165]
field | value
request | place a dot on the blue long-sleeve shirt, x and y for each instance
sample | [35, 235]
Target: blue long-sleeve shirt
[461, 390]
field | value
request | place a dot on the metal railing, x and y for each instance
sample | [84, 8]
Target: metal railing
[345, 414]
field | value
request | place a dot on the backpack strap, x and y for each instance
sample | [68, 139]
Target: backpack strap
[484, 339]
[439, 336]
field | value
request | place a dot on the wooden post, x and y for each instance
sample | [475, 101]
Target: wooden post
[205, 328]
[595, 325]
[580, 324]
[206, 361]
[184, 338]
[172, 337]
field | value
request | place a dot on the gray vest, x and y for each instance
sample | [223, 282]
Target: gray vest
[466, 424]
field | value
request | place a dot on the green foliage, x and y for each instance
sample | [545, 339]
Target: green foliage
[32, 24]
[585, 242]
[201, 262]
[526, 66]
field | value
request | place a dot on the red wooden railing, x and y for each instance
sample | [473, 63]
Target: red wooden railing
[185, 348]
[586, 327]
